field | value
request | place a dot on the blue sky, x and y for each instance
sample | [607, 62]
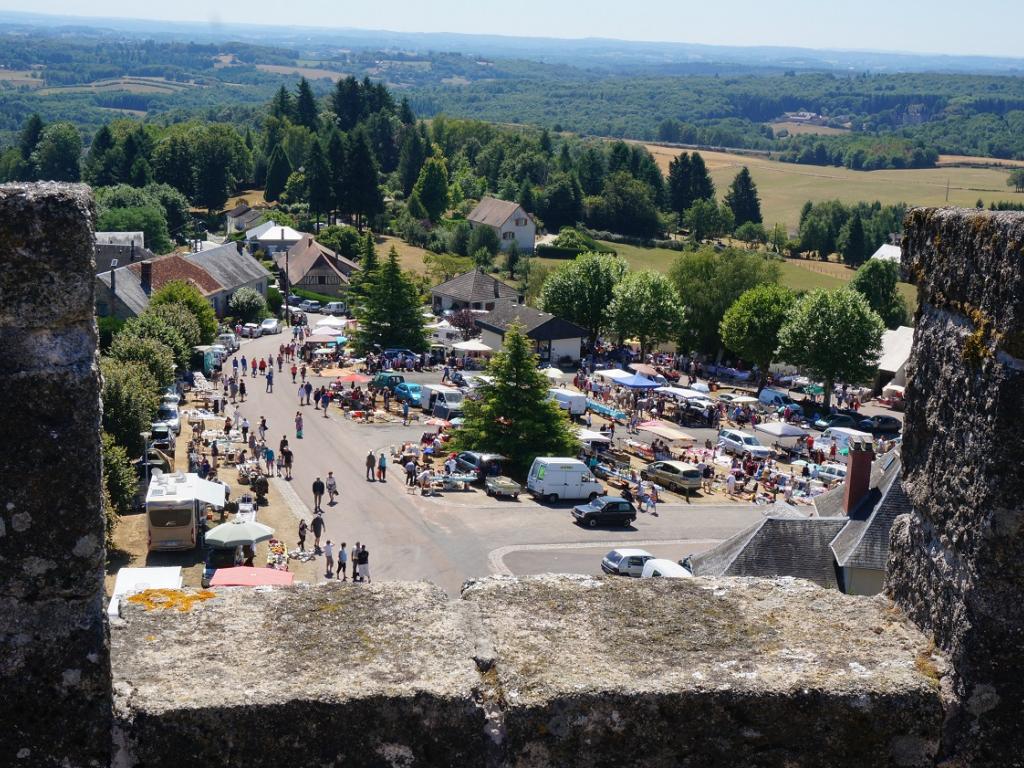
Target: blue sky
[987, 27]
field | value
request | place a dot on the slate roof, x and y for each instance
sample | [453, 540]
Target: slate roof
[864, 541]
[492, 211]
[106, 252]
[475, 286]
[229, 267]
[248, 218]
[307, 254]
[239, 209]
[784, 543]
[121, 238]
[539, 326]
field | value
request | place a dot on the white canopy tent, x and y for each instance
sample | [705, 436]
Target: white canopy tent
[591, 436]
[667, 432]
[554, 374]
[331, 322]
[613, 374]
[473, 345]
[680, 393]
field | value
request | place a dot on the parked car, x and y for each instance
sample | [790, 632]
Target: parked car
[169, 415]
[251, 331]
[293, 300]
[657, 568]
[480, 464]
[218, 558]
[385, 380]
[499, 485]
[297, 316]
[605, 510]
[335, 308]
[736, 442]
[677, 476]
[162, 437]
[625, 562]
[309, 305]
[270, 325]
[838, 420]
[408, 392]
[228, 340]
[882, 425]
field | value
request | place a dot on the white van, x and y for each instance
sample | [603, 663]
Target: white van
[562, 479]
[776, 399]
[335, 308]
[433, 395]
[842, 436]
[573, 402]
[664, 569]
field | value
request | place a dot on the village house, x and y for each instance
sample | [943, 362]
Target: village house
[270, 237]
[233, 267]
[472, 290]
[240, 218]
[109, 253]
[555, 340]
[508, 219]
[314, 267]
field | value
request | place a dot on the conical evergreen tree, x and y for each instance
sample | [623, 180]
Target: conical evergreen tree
[514, 414]
[337, 160]
[405, 115]
[306, 112]
[278, 171]
[432, 188]
[318, 181]
[702, 187]
[410, 160]
[680, 183]
[742, 198]
[369, 267]
[852, 243]
[364, 198]
[391, 314]
[282, 106]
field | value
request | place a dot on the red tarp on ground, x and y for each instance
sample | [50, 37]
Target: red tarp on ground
[246, 576]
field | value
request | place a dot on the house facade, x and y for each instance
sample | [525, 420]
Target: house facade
[314, 267]
[555, 340]
[234, 268]
[473, 290]
[508, 219]
[241, 218]
[271, 238]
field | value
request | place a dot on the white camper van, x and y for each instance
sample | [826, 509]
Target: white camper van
[433, 395]
[573, 402]
[175, 507]
[562, 479]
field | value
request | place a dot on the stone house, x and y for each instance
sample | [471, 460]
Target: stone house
[508, 219]
[472, 290]
[240, 218]
[556, 341]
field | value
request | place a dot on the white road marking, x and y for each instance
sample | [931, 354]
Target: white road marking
[496, 557]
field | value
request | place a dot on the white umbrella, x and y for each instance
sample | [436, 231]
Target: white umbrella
[700, 386]
[473, 345]
[237, 533]
[332, 322]
[553, 373]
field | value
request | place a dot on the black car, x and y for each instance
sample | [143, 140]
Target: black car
[844, 420]
[217, 558]
[480, 464]
[882, 425]
[605, 510]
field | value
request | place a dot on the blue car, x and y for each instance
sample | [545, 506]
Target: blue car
[408, 392]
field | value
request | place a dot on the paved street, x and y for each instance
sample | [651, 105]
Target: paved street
[460, 535]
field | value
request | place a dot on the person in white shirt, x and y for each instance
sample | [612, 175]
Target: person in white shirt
[329, 557]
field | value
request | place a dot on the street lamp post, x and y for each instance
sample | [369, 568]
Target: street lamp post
[145, 453]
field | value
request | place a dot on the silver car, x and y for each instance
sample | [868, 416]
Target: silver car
[736, 442]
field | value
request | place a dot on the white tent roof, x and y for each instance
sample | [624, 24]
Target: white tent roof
[553, 373]
[668, 432]
[685, 394]
[888, 253]
[615, 374]
[473, 345]
[780, 429]
[896, 346]
[333, 322]
[591, 436]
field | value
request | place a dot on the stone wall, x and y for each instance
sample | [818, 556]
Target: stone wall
[54, 661]
[956, 565]
[544, 671]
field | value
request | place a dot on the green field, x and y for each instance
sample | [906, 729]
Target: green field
[785, 187]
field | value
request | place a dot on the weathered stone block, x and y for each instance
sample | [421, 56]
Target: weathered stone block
[955, 563]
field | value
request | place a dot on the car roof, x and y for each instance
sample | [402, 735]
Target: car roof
[666, 566]
[632, 552]
[678, 464]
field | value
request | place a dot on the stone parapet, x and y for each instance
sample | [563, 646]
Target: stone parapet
[542, 671]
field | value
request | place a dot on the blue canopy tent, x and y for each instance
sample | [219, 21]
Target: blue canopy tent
[637, 381]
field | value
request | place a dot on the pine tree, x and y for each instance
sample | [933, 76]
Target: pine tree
[347, 102]
[29, 137]
[97, 168]
[391, 314]
[364, 198]
[545, 142]
[432, 188]
[337, 161]
[282, 106]
[564, 158]
[680, 183]
[318, 181]
[369, 266]
[410, 160]
[306, 112]
[514, 414]
[278, 171]
[742, 198]
[702, 187]
[405, 115]
[852, 242]
[526, 196]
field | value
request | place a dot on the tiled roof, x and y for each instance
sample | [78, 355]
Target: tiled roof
[228, 266]
[539, 326]
[492, 211]
[307, 254]
[176, 267]
[475, 286]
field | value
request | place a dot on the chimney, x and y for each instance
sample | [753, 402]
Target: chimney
[497, 292]
[113, 281]
[858, 473]
[133, 250]
[238, 247]
[147, 277]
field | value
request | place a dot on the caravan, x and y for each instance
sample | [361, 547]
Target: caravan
[573, 402]
[562, 479]
[175, 507]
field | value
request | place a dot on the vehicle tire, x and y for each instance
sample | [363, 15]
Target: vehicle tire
[592, 522]
[489, 492]
[552, 498]
[628, 522]
[515, 497]
[592, 496]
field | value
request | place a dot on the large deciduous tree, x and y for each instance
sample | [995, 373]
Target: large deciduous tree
[876, 280]
[187, 295]
[56, 156]
[129, 402]
[582, 290]
[248, 305]
[835, 336]
[154, 354]
[750, 327]
[646, 306]
[513, 414]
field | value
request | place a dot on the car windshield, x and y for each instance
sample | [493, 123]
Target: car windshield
[167, 413]
[170, 518]
[748, 440]
[414, 388]
[613, 557]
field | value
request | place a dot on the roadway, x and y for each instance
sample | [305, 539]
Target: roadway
[460, 535]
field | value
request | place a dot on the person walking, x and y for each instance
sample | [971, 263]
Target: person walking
[268, 459]
[302, 372]
[245, 366]
[234, 367]
[241, 390]
[355, 562]
[298, 424]
[245, 430]
[329, 558]
[286, 454]
[382, 467]
[405, 413]
[270, 379]
[325, 400]
[410, 472]
[303, 528]
[309, 391]
[364, 565]
[318, 494]
[295, 370]
[319, 526]
[371, 462]
[254, 365]
[316, 399]
[262, 429]
[342, 563]
[280, 361]
[263, 367]
[302, 394]
[233, 389]
[332, 488]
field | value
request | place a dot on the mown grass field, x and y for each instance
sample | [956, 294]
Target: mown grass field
[785, 187]
[310, 73]
[410, 257]
[127, 84]
[795, 128]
